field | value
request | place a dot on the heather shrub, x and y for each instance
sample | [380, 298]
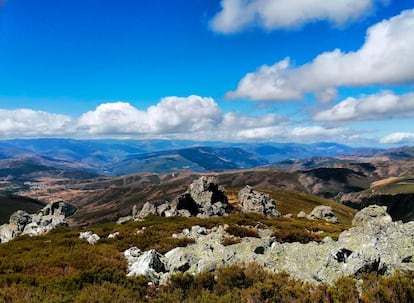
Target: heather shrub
[242, 231]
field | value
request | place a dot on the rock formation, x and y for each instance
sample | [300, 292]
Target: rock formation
[204, 198]
[320, 212]
[255, 201]
[21, 223]
[374, 244]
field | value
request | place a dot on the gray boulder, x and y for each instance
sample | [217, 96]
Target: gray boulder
[372, 214]
[204, 198]
[255, 201]
[323, 212]
[148, 264]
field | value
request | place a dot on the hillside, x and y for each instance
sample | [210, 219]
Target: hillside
[11, 203]
[61, 267]
[397, 193]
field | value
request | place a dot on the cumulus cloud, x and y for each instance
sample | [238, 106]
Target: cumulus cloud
[398, 138]
[236, 15]
[385, 105]
[193, 118]
[30, 123]
[385, 58]
[170, 115]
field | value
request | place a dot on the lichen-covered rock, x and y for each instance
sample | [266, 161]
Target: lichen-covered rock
[323, 212]
[21, 223]
[255, 201]
[378, 246]
[204, 198]
[372, 214]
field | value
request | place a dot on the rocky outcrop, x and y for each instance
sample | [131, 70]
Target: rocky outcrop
[372, 214]
[399, 206]
[204, 198]
[320, 212]
[255, 201]
[372, 245]
[21, 223]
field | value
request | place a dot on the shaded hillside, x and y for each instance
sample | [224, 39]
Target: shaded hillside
[18, 174]
[397, 193]
[11, 203]
[195, 159]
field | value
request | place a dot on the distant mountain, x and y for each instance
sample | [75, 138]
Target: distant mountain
[193, 158]
[27, 168]
[399, 153]
[118, 157]
[276, 152]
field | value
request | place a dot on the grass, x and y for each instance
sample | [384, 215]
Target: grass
[399, 186]
[292, 202]
[60, 267]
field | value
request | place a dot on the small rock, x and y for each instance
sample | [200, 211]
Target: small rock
[148, 264]
[89, 236]
[323, 212]
[113, 235]
[301, 214]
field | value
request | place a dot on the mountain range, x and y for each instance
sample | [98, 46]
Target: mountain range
[120, 157]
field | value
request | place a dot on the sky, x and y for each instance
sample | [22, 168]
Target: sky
[301, 71]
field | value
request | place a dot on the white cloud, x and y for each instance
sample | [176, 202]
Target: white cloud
[193, 117]
[385, 105]
[114, 118]
[305, 134]
[175, 114]
[398, 138]
[236, 15]
[385, 58]
[25, 123]
[170, 115]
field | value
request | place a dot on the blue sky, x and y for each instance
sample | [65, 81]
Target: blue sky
[231, 70]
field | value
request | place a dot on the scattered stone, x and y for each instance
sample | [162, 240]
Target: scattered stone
[90, 237]
[377, 245]
[301, 214]
[113, 235]
[255, 201]
[123, 220]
